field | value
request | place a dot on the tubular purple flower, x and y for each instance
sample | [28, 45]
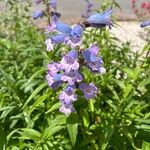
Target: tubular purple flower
[99, 20]
[69, 61]
[53, 40]
[51, 27]
[89, 90]
[53, 4]
[63, 27]
[91, 53]
[38, 14]
[68, 96]
[37, 1]
[72, 77]
[57, 39]
[75, 36]
[67, 109]
[145, 23]
[77, 31]
[55, 16]
[95, 64]
[53, 68]
[54, 81]
[59, 27]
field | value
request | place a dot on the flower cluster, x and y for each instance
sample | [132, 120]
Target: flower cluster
[68, 71]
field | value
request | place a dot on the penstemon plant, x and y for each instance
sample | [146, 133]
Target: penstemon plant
[115, 115]
[69, 71]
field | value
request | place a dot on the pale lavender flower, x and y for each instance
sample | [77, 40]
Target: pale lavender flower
[53, 40]
[97, 65]
[68, 96]
[60, 27]
[75, 36]
[53, 4]
[69, 61]
[94, 63]
[54, 18]
[72, 77]
[49, 44]
[145, 23]
[51, 27]
[38, 14]
[91, 53]
[53, 68]
[89, 90]
[67, 109]
[54, 81]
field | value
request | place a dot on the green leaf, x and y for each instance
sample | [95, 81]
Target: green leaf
[30, 134]
[147, 121]
[39, 101]
[144, 127]
[145, 82]
[2, 138]
[119, 83]
[72, 127]
[132, 73]
[48, 132]
[73, 131]
[127, 90]
[85, 118]
[54, 107]
[34, 93]
[145, 146]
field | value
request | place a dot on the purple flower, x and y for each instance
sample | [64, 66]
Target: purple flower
[94, 63]
[58, 26]
[63, 27]
[53, 4]
[91, 53]
[145, 23]
[99, 20]
[51, 27]
[88, 9]
[77, 31]
[67, 109]
[49, 44]
[54, 81]
[68, 96]
[53, 40]
[72, 77]
[38, 1]
[75, 36]
[69, 61]
[89, 90]
[38, 14]
[96, 66]
[54, 18]
[53, 68]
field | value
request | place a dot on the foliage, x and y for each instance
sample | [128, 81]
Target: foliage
[118, 118]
